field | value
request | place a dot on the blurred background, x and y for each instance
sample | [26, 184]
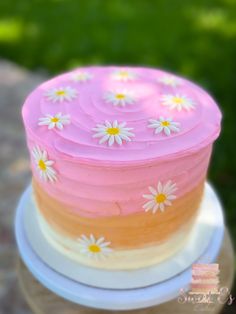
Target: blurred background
[40, 38]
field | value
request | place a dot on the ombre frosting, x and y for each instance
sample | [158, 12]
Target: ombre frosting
[116, 151]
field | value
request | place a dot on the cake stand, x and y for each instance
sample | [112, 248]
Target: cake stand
[177, 272]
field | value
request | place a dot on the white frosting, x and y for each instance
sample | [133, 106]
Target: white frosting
[119, 259]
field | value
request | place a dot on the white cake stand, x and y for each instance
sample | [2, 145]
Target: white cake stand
[55, 271]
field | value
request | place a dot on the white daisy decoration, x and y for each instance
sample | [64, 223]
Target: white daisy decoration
[60, 94]
[119, 98]
[57, 121]
[44, 165]
[160, 197]
[112, 132]
[124, 75]
[166, 125]
[170, 80]
[94, 248]
[81, 76]
[178, 102]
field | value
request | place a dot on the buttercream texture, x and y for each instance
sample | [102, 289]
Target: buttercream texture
[119, 158]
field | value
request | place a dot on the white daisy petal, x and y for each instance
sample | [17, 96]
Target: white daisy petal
[127, 133]
[125, 137]
[44, 121]
[60, 126]
[108, 124]
[100, 240]
[118, 140]
[162, 207]
[152, 190]
[51, 125]
[172, 188]
[167, 202]
[104, 139]
[122, 124]
[159, 129]
[171, 197]
[91, 247]
[99, 134]
[50, 171]
[85, 238]
[92, 238]
[173, 128]
[155, 208]
[49, 162]
[148, 196]
[149, 204]
[168, 187]
[105, 244]
[170, 80]
[111, 140]
[153, 121]
[81, 76]
[167, 131]
[159, 187]
[44, 155]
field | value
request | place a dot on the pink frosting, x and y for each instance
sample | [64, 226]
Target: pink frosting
[98, 179]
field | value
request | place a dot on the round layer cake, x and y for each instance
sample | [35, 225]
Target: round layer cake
[119, 157]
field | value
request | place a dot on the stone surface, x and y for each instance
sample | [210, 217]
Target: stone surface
[15, 84]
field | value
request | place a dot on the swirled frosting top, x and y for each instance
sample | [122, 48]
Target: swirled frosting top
[120, 114]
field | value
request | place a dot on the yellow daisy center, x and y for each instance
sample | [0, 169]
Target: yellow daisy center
[60, 92]
[178, 100]
[42, 165]
[120, 96]
[160, 198]
[165, 123]
[94, 248]
[124, 73]
[170, 80]
[113, 131]
[54, 119]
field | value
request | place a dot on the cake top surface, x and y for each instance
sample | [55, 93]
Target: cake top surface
[120, 114]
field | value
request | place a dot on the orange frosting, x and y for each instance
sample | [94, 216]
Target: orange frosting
[124, 232]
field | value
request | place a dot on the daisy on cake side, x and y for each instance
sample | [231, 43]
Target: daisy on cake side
[44, 165]
[94, 248]
[160, 197]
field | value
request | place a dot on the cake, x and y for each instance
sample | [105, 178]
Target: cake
[119, 158]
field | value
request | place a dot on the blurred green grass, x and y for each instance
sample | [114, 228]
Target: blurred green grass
[195, 38]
